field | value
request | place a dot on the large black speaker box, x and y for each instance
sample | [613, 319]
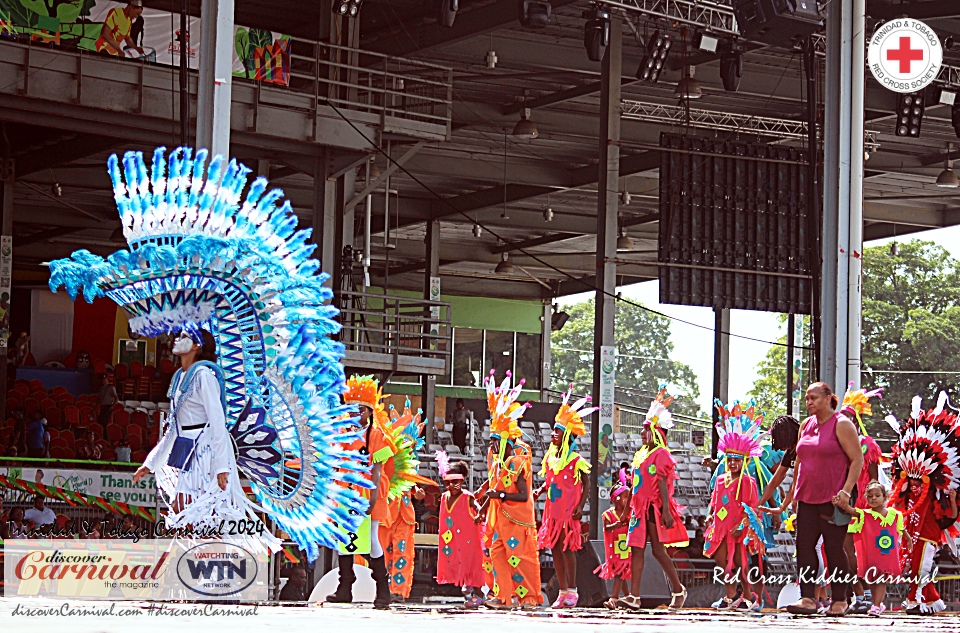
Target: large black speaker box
[781, 23]
[592, 590]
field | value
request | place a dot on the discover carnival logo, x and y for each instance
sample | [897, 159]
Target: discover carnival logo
[905, 55]
[121, 569]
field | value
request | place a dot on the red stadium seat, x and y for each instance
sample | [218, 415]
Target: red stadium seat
[71, 416]
[115, 432]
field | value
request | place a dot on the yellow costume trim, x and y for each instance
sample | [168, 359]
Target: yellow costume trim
[554, 462]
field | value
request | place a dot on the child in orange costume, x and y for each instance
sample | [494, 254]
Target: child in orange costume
[562, 470]
[397, 539]
[511, 517]
[365, 393]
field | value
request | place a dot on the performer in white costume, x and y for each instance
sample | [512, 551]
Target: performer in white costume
[207, 488]
[259, 391]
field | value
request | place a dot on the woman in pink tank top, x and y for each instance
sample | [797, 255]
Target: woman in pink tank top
[828, 464]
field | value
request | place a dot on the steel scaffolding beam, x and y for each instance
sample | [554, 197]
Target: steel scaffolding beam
[716, 16]
[711, 120]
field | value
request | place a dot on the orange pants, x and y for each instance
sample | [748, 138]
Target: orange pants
[516, 563]
[398, 556]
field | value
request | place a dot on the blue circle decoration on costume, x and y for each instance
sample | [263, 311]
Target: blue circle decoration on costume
[885, 541]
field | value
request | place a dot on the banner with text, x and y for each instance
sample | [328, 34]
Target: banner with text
[111, 485]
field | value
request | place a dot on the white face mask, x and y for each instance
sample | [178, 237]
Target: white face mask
[182, 345]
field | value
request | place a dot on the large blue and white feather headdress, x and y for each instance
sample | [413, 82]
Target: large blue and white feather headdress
[204, 255]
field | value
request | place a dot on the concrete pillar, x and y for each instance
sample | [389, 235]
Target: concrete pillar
[7, 172]
[431, 270]
[216, 71]
[843, 195]
[324, 210]
[721, 368]
[607, 201]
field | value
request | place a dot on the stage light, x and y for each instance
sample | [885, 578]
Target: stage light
[706, 42]
[535, 14]
[525, 128]
[558, 320]
[947, 178]
[945, 96]
[596, 32]
[504, 267]
[548, 215]
[688, 87]
[658, 47]
[447, 12]
[731, 69]
[477, 231]
[909, 114]
[350, 8]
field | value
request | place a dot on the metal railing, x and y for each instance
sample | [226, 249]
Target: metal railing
[395, 326]
[362, 81]
[401, 95]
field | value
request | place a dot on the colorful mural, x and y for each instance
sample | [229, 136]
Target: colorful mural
[122, 29]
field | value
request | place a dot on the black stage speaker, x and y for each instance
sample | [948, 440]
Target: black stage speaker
[781, 23]
[593, 592]
[735, 225]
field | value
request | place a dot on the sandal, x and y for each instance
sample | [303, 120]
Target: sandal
[682, 594]
[834, 614]
[629, 602]
[498, 604]
[611, 604]
[798, 608]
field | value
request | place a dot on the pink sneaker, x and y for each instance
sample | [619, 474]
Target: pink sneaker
[558, 603]
[877, 610]
[570, 601]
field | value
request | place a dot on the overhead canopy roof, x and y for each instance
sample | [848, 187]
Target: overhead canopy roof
[549, 71]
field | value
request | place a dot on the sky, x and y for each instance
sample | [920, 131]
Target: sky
[693, 346]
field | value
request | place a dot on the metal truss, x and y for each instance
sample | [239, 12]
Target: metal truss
[715, 15]
[709, 120]
[718, 17]
[949, 75]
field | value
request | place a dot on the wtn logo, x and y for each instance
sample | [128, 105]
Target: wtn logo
[223, 569]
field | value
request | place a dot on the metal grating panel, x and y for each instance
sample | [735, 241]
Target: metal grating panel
[733, 225]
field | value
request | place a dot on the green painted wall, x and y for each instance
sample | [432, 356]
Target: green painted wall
[504, 315]
[452, 392]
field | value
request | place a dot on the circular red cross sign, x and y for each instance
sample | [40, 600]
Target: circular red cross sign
[905, 55]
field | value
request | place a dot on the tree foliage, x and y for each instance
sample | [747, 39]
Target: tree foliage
[643, 345]
[769, 389]
[911, 325]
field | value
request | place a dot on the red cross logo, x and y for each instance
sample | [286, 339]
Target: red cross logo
[905, 55]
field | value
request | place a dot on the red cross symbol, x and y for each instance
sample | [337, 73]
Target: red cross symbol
[905, 55]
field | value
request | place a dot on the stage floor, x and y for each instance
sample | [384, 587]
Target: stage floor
[420, 619]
